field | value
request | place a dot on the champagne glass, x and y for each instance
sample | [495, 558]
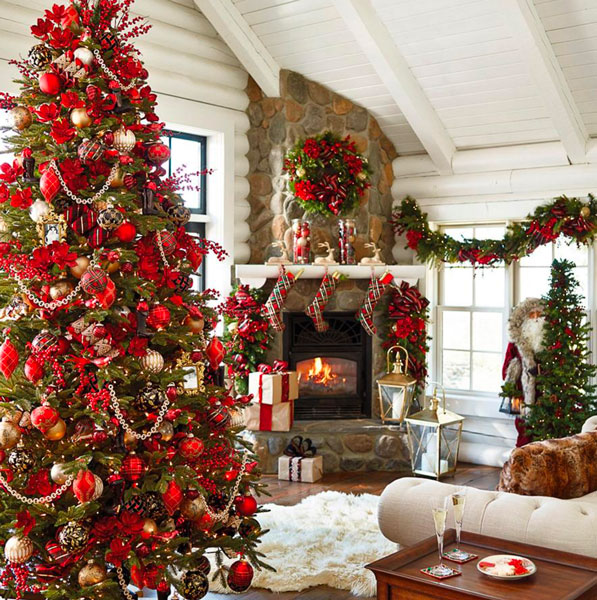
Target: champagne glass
[439, 509]
[458, 504]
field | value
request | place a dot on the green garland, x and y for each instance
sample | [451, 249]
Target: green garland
[570, 217]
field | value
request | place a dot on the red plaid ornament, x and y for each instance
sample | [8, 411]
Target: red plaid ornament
[215, 352]
[9, 358]
[158, 317]
[84, 486]
[49, 185]
[133, 467]
[168, 242]
[172, 497]
[191, 448]
[240, 576]
[94, 280]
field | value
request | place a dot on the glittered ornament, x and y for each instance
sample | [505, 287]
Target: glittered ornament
[158, 317]
[84, 486]
[9, 358]
[172, 497]
[18, 549]
[158, 153]
[80, 118]
[191, 448]
[124, 140]
[193, 509]
[10, 434]
[49, 184]
[43, 417]
[21, 117]
[153, 361]
[94, 280]
[57, 432]
[150, 398]
[245, 505]
[21, 460]
[215, 352]
[82, 263]
[92, 574]
[84, 55]
[44, 341]
[49, 83]
[73, 537]
[110, 219]
[179, 214]
[168, 241]
[240, 576]
[40, 56]
[194, 585]
[133, 467]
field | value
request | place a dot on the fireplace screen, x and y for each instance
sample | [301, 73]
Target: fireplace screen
[327, 375]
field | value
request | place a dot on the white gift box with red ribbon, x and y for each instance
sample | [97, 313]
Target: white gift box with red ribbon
[273, 385]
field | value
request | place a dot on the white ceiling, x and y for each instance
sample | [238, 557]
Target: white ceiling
[492, 72]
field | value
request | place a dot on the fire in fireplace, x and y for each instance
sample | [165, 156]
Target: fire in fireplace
[334, 366]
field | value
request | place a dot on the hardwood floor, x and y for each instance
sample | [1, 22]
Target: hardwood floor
[286, 493]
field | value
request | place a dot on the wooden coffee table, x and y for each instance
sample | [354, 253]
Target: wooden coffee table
[559, 576]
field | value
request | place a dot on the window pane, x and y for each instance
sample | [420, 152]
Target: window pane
[456, 371]
[187, 154]
[487, 372]
[578, 255]
[456, 330]
[487, 331]
[458, 286]
[542, 257]
[490, 232]
[459, 233]
[533, 283]
[489, 287]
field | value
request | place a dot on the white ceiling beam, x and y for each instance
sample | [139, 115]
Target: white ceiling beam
[542, 63]
[242, 40]
[379, 47]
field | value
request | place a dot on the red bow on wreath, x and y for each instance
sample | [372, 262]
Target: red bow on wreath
[83, 221]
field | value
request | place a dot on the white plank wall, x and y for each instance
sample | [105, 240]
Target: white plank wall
[185, 58]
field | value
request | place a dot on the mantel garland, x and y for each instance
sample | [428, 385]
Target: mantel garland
[563, 216]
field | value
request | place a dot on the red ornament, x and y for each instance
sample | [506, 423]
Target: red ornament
[71, 16]
[168, 242]
[240, 576]
[158, 317]
[152, 576]
[215, 352]
[49, 184]
[158, 153]
[245, 505]
[44, 341]
[133, 467]
[33, 369]
[108, 296]
[62, 346]
[9, 358]
[191, 448]
[49, 83]
[126, 232]
[172, 393]
[172, 497]
[84, 486]
[44, 417]
[94, 280]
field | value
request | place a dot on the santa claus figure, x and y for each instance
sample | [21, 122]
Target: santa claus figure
[525, 333]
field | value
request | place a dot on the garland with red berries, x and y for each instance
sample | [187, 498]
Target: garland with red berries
[569, 217]
[327, 174]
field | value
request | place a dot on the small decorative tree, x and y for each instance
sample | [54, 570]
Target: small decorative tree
[565, 394]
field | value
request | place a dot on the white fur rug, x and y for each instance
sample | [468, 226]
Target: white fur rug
[325, 540]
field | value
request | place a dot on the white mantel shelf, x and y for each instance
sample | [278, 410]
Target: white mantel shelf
[257, 275]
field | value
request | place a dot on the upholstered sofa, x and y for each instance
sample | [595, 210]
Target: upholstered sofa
[567, 525]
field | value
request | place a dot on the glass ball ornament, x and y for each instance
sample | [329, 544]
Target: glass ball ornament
[124, 140]
[158, 153]
[43, 417]
[60, 289]
[56, 433]
[90, 149]
[151, 397]
[84, 55]
[110, 219]
[133, 467]
[38, 210]
[21, 118]
[91, 574]
[193, 508]
[58, 474]
[194, 585]
[153, 361]
[191, 448]
[240, 576]
[82, 263]
[73, 537]
[18, 549]
[168, 242]
[10, 434]
[80, 118]
[166, 431]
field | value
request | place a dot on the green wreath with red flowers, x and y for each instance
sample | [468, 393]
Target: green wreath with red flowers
[573, 218]
[327, 174]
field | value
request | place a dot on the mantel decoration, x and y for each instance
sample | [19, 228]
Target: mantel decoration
[571, 217]
[327, 174]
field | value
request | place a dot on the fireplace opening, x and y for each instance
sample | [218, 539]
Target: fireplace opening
[334, 366]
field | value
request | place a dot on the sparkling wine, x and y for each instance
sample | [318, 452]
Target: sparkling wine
[439, 518]
[458, 502]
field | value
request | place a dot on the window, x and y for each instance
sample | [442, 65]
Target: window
[189, 151]
[474, 305]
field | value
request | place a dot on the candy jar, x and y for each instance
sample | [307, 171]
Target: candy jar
[301, 241]
[347, 236]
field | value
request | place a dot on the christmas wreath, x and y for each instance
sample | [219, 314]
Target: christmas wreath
[327, 174]
[570, 217]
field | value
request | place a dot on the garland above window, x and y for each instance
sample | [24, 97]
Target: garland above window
[569, 217]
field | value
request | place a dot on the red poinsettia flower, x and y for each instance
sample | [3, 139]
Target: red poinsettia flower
[413, 238]
[73, 174]
[304, 190]
[41, 29]
[39, 484]
[138, 346]
[105, 527]
[98, 168]
[25, 522]
[56, 13]
[311, 148]
[22, 198]
[4, 193]
[130, 523]
[61, 254]
[47, 112]
[60, 38]
[71, 100]
[119, 551]
[9, 173]
[62, 132]
[41, 257]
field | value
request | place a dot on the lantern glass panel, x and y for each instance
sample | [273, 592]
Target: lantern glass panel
[423, 442]
[395, 401]
[450, 440]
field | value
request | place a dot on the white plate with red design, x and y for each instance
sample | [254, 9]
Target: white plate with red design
[507, 567]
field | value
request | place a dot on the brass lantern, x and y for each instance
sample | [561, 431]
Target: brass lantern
[434, 435]
[396, 388]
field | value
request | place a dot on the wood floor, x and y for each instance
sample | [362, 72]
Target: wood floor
[286, 493]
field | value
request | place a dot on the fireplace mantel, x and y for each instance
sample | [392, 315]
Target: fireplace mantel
[257, 275]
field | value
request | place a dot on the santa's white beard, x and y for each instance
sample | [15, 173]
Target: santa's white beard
[532, 333]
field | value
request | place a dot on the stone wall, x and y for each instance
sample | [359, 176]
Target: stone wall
[307, 108]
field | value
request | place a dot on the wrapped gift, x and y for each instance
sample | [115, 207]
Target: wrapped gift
[273, 385]
[300, 462]
[269, 417]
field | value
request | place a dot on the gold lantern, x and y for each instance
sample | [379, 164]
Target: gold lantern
[396, 388]
[434, 435]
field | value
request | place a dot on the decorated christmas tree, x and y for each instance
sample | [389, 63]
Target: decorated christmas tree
[565, 393]
[119, 463]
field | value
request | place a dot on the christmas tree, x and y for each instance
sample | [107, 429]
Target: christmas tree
[119, 463]
[565, 394]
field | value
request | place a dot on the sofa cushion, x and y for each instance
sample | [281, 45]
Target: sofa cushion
[561, 468]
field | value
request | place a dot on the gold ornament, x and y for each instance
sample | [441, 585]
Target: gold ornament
[194, 509]
[57, 473]
[362, 176]
[152, 361]
[91, 574]
[10, 434]
[18, 549]
[166, 430]
[57, 432]
[113, 267]
[194, 325]
[130, 441]
[21, 118]
[99, 488]
[79, 118]
[118, 180]
[60, 289]
[124, 140]
[150, 527]
[80, 268]
[585, 212]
